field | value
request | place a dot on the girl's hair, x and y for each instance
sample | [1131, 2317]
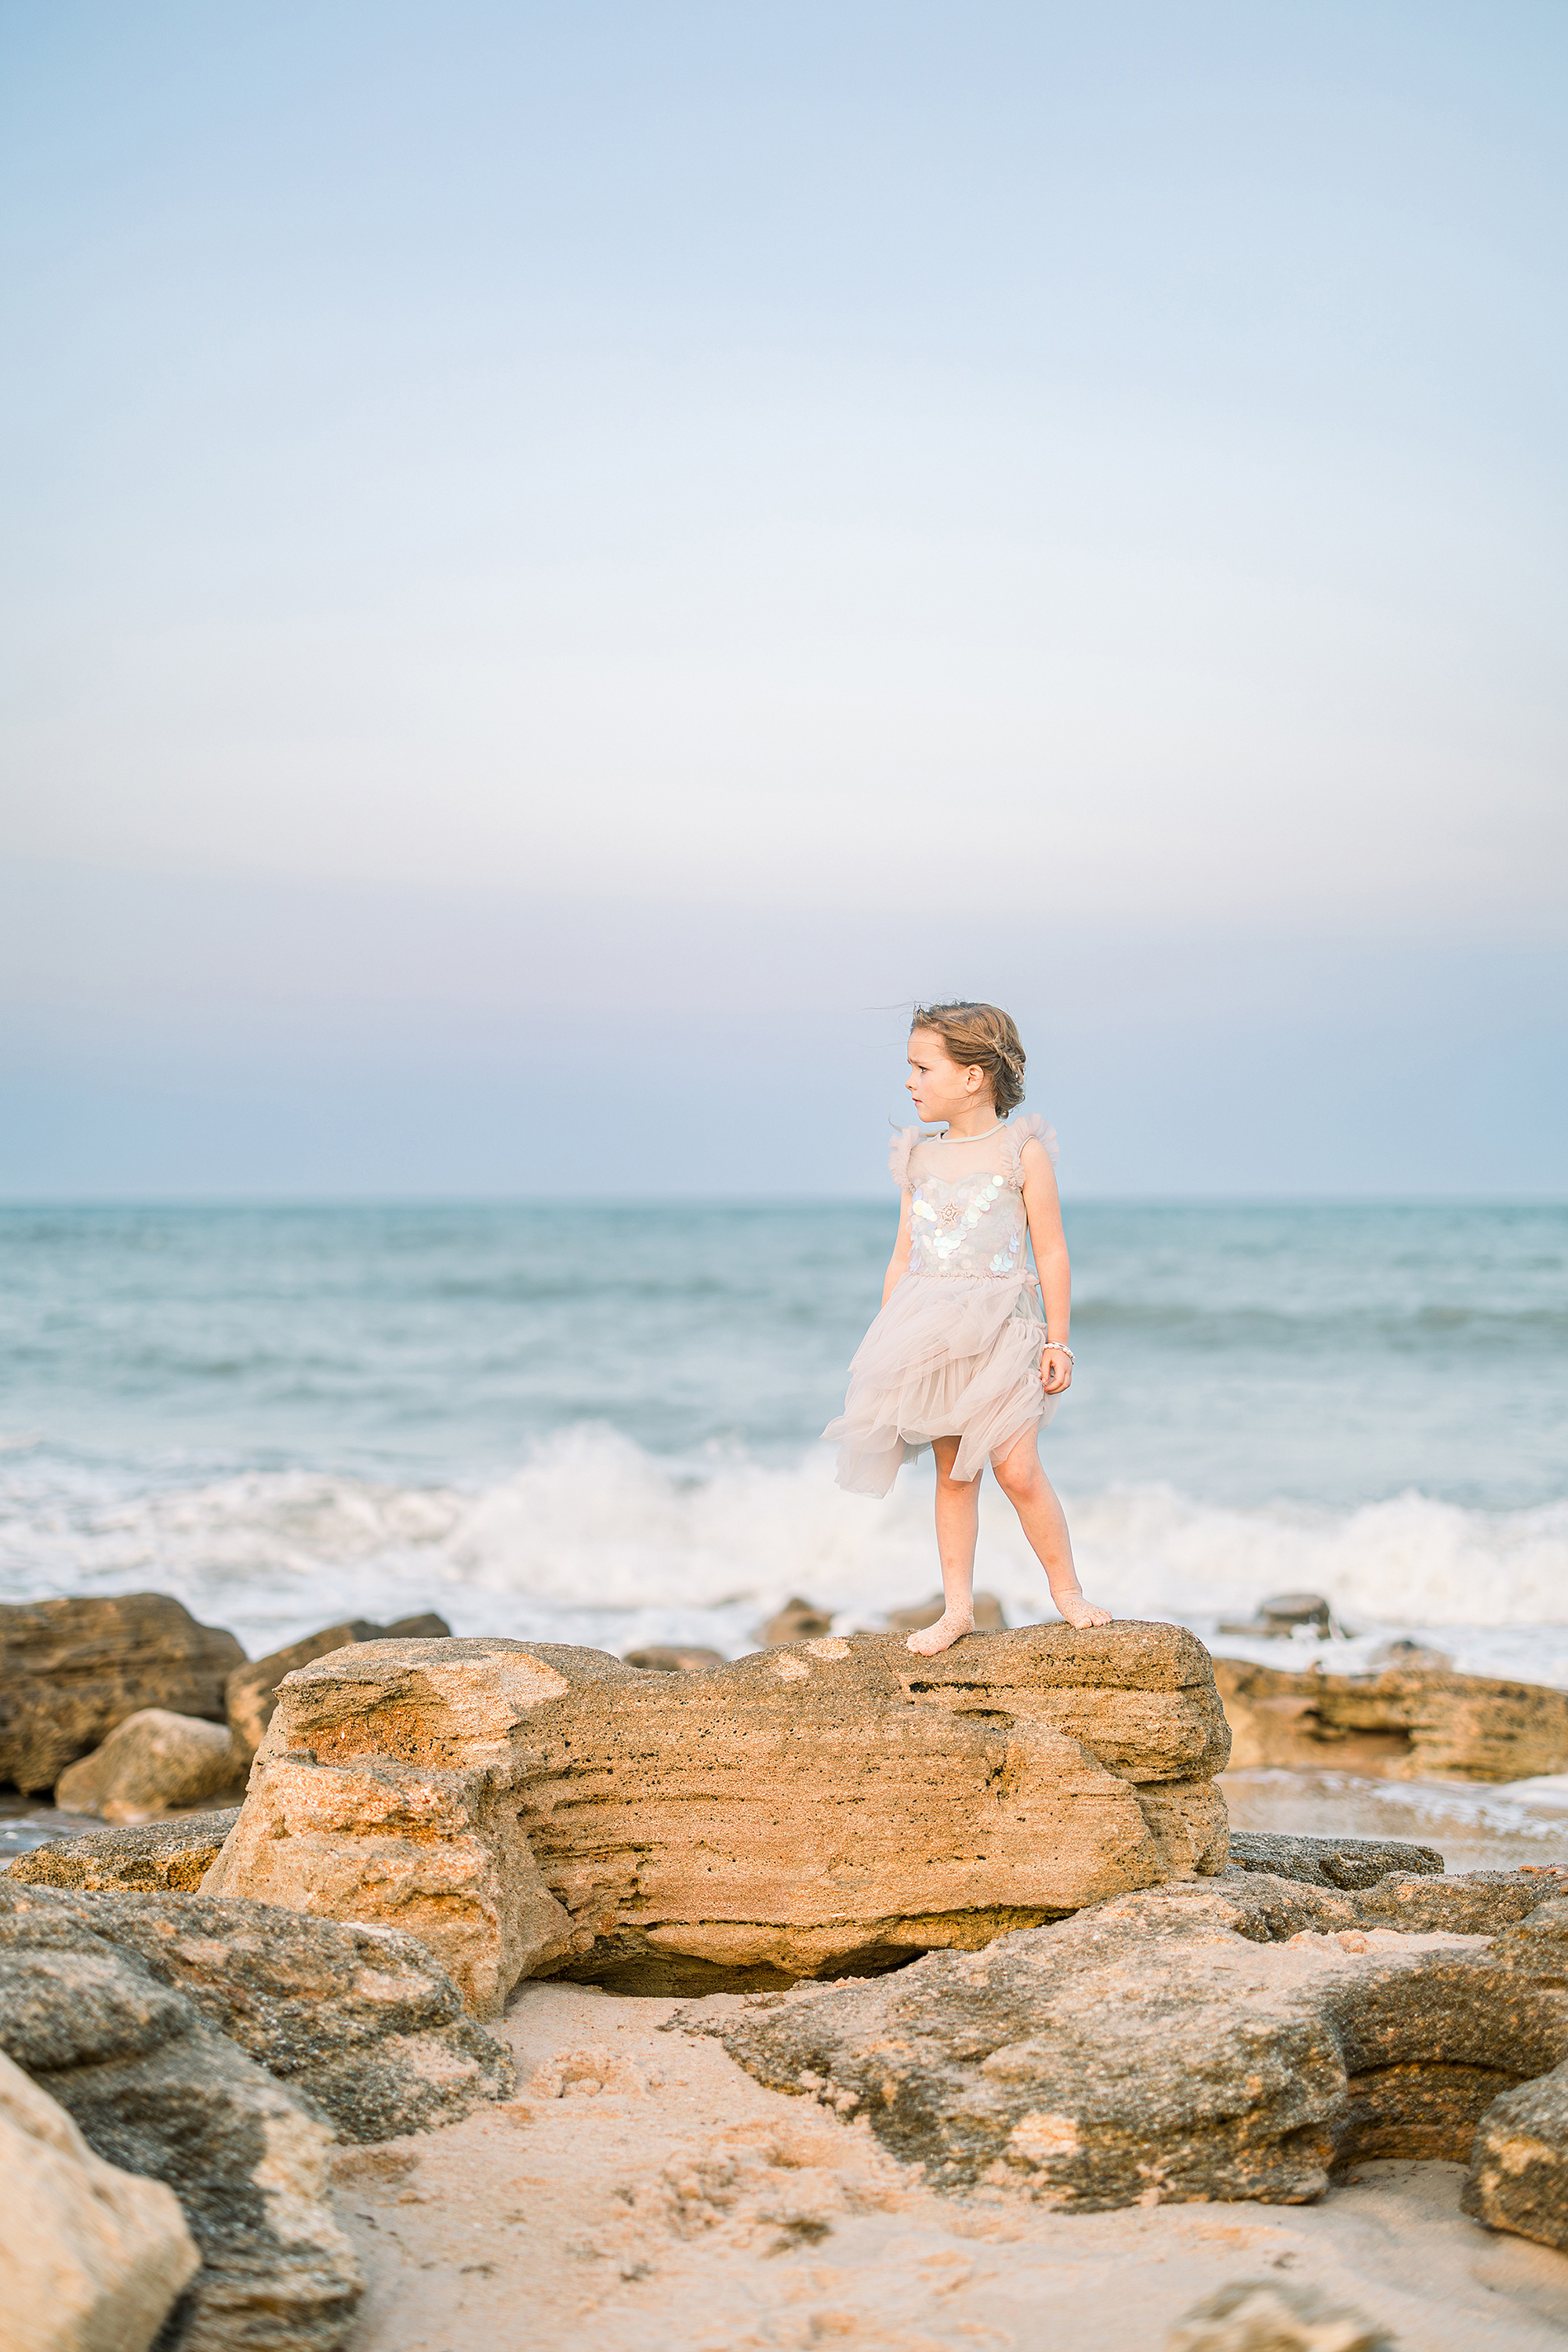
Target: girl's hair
[979, 1036]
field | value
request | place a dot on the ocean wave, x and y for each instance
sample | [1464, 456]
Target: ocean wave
[593, 1537]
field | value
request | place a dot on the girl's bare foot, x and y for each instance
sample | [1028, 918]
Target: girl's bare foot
[1079, 1611]
[942, 1634]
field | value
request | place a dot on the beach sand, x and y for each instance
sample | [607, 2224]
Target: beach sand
[707, 2214]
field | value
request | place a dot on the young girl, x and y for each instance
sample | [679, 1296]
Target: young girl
[960, 1359]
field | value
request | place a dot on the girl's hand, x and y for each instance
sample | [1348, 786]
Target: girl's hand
[1056, 1370]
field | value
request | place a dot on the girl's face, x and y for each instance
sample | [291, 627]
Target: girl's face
[938, 1088]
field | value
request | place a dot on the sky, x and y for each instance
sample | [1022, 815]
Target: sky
[563, 565]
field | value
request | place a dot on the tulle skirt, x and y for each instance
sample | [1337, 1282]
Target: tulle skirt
[948, 1356]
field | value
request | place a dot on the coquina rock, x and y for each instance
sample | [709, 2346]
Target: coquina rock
[835, 1806]
[1406, 1723]
[1330, 1861]
[358, 2020]
[149, 1764]
[93, 2260]
[154, 2091]
[250, 1691]
[1519, 2164]
[1242, 2037]
[72, 1670]
[172, 1856]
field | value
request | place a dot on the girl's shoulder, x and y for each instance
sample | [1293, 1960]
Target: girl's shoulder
[1031, 1128]
[898, 1152]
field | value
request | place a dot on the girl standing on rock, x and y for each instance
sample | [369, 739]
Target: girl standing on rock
[960, 1358]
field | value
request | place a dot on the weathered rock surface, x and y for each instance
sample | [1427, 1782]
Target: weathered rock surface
[797, 1620]
[1406, 1723]
[1240, 2038]
[149, 1764]
[989, 1617]
[1271, 2316]
[838, 1806]
[1329, 1862]
[664, 1660]
[174, 1855]
[156, 2092]
[250, 1691]
[1519, 2166]
[93, 2258]
[72, 1670]
[358, 2019]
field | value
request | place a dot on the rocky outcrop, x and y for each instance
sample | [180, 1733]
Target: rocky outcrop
[154, 2091]
[1406, 1723]
[838, 1806]
[1238, 2038]
[93, 2260]
[1329, 1862]
[72, 1670]
[152, 1763]
[175, 1856]
[358, 2019]
[250, 1691]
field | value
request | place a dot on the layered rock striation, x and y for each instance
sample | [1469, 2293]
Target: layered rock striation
[810, 1811]
[1408, 1723]
[72, 1670]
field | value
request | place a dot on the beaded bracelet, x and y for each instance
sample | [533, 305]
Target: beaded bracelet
[1061, 1350]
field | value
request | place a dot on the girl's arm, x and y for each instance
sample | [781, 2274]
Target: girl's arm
[1043, 1207]
[899, 1263]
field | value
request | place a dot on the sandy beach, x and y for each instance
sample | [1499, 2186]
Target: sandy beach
[697, 2212]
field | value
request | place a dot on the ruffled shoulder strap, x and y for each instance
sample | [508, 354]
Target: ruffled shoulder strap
[898, 1152]
[1031, 1128]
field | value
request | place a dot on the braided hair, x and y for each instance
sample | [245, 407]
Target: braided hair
[979, 1036]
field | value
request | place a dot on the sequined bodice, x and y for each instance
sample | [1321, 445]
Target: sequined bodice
[974, 1224]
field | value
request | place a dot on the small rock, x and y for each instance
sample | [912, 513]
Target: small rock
[988, 1616]
[72, 1670]
[1411, 1654]
[797, 1620]
[583, 2073]
[674, 1661]
[1329, 1862]
[1284, 1614]
[151, 1763]
[93, 2259]
[250, 1694]
[174, 1855]
[1267, 2316]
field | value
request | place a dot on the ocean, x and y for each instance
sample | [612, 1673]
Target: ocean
[597, 1423]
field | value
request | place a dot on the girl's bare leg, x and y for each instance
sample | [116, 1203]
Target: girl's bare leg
[1031, 1495]
[957, 1525]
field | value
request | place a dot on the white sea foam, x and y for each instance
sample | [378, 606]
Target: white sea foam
[593, 1539]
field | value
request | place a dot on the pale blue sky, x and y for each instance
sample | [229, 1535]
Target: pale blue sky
[667, 527]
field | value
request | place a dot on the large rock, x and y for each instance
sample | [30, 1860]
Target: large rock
[93, 2258]
[360, 2019]
[251, 1692]
[175, 1856]
[1519, 2166]
[72, 1670]
[838, 1806]
[1241, 2038]
[156, 2092]
[152, 1763]
[1404, 1724]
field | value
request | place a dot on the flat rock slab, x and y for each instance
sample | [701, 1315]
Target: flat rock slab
[832, 1806]
[1241, 2038]
[72, 1670]
[172, 1855]
[1329, 1862]
[1404, 1724]
[358, 2020]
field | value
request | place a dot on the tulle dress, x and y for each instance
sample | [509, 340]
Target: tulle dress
[955, 1353]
